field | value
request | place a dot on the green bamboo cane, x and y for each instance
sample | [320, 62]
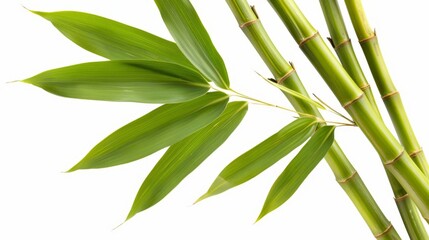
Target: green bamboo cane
[352, 99]
[369, 43]
[285, 74]
[342, 44]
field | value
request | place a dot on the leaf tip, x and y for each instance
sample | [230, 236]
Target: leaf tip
[204, 196]
[41, 14]
[74, 168]
[261, 215]
[120, 224]
[15, 81]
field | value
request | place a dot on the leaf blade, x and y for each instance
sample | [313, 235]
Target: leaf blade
[131, 81]
[193, 40]
[158, 129]
[112, 39]
[185, 156]
[262, 156]
[298, 169]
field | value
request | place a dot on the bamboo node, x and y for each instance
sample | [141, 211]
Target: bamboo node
[248, 23]
[415, 153]
[389, 95]
[343, 43]
[349, 103]
[395, 159]
[364, 87]
[401, 198]
[303, 41]
[390, 227]
[286, 76]
[347, 179]
[373, 36]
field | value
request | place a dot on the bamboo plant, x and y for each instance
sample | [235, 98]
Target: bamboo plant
[200, 110]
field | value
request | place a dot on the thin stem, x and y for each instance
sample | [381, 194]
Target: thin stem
[333, 110]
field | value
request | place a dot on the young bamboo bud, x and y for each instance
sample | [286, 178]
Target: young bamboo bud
[352, 99]
[286, 75]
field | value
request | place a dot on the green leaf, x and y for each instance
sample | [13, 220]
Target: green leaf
[192, 38]
[298, 169]
[261, 157]
[114, 40]
[294, 93]
[132, 81]
[156, 130]
[185, 156]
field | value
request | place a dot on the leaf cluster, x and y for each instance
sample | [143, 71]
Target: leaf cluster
[189, 78]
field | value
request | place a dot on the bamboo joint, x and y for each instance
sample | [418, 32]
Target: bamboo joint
[367, 39]
[364, 87]
[248, 23]
[349, 103]
[347, 179]
[380, 235]
[401, 198]
[386, 96]
[390, 162]
[415, 153]
[342, 44]
[305, 40]
[286, 76]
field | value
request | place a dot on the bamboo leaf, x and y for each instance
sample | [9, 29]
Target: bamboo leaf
[185, 156]
[294, 93]
[298, 169]
[158, 129]
[192, 38]
[112, 39]
[262, 156]
[131, 81]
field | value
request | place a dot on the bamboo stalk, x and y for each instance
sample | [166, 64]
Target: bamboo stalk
[342, 44]
[392, 100]
[352, 99]
[286, 75]
[345, 52]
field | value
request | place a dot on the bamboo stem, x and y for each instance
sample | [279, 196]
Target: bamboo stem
[342, 44]
[351, 97]
[345, 52]
[392, 100]
[286, 75]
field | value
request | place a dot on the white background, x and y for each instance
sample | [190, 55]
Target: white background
[42, 135]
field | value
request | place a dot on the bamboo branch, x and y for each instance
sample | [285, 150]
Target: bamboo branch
[286, 75]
